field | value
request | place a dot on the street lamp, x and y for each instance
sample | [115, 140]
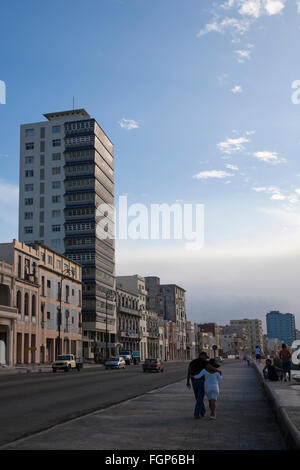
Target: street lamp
[66, 272]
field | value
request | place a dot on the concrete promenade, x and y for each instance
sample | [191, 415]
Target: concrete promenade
[284, 397]
[163, 419]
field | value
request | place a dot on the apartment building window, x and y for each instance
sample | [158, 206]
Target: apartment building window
[42, 174]
[29, 201]
[56, 184]
[42, 232]
[56, 213]
[42, 146]
[48, 288]
[28, 229]
[42, 217]
[55, 228]
[56, 156]
[29, 160]
[28, 173]
[42, 132]
[50, 259]
[58, 264]
[28, 187]
[56, 142]
[55, 129]
[43, 286]
[56, 199]
[42, 160]
[56, 170]
[42, 188]
[28, 215]
[42, 202]
[29, 132]
[29, 145]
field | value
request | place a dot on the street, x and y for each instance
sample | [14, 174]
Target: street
[34, 402]
[159, 419]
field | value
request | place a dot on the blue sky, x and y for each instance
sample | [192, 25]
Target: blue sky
[208, 88]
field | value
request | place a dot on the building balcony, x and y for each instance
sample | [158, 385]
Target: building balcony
[9, 312]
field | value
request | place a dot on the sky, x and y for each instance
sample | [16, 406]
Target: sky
[201, 101]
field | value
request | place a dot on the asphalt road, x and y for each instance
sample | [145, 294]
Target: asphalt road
[34, 402]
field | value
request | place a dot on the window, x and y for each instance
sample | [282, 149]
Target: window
[56, 156]
[56, 143]
[29, 146]
[29, 132]
[28, 173]
[28, 215]
[56, 170]
[55, 129]
[29, 201]
[42, 160]
[48, 316]
[56, 184]
[55, 228]
[50, 261]
[56, 213]
[28, 187]
[42, 132]
[28, 229]
[56, 199]
[42, 146]
[29, 160]
[58, 263]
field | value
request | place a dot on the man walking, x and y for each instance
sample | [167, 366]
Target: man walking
[286, 356]
[195, 367]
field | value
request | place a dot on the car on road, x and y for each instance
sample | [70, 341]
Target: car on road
[115, 363]
[153, 365]
[67, 362]
[219, 359]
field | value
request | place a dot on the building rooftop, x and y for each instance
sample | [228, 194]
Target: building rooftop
[62, 114]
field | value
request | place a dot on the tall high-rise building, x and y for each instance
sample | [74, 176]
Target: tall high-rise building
[66, 173]
[281, 326]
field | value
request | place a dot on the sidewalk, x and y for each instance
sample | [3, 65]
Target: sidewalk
[163, 419]
[285, 401]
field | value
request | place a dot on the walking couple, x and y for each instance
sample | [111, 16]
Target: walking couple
[205, 378]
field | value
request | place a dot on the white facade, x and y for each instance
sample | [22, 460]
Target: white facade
[41, 196]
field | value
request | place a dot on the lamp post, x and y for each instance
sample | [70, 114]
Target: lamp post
[111, 295]
[66, 272]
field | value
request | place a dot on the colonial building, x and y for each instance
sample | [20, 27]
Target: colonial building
[128, 320]
[47, 294]
[8, 313]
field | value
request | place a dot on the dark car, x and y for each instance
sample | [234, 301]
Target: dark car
[153, 365]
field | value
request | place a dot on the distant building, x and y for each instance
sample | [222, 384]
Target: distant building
[281, 326]
[191, 340]
[254, 332]
[212, 328]
[8, 313]
[168, 300]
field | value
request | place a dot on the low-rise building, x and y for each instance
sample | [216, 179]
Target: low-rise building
[128, 320]
[8, 313]
[47, 294]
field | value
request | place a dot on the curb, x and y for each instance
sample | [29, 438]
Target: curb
[289, 432]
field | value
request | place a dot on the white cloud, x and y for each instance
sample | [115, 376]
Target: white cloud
[237, 89]
[243, 55]
[233, 25]
[129, 124]
[203, 175]
[297, 191]
[250, 8]
[278, 197]
[298, 6]
[269, 157]
[232, 145]
[273, 7]
[232, 167]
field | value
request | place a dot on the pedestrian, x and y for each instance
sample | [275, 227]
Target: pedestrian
[211, 385]
[258, 353]
[245, 360]
[270, 371]
[286, 356]
[248, 359]
[195, 367]
[278, 365]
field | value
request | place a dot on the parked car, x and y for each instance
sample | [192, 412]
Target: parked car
[67, 362]
[115, 363]
[155, 365]
[219, 359]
